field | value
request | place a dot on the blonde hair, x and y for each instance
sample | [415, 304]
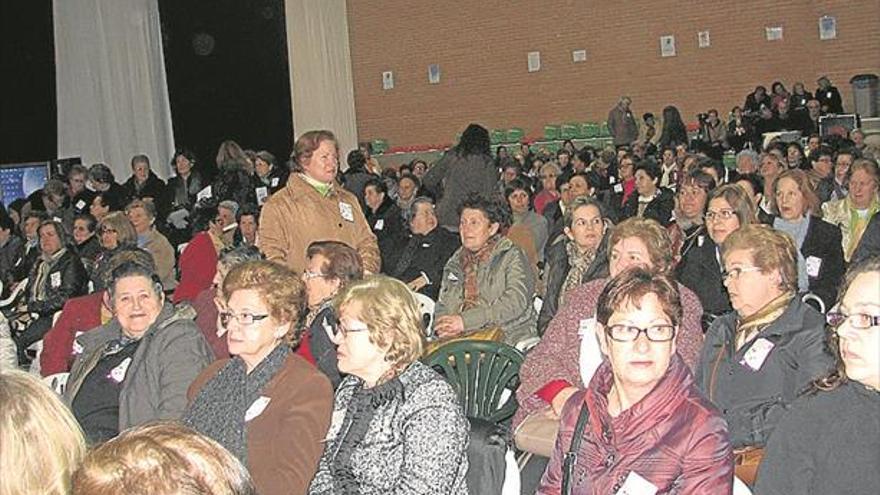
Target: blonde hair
[769, 248]
[655, 237]
[163, 458]
[812, 204]
[41, 444]
[280, 289]
[392, 316]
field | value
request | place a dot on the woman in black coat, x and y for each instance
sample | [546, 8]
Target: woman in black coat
[385, 221]
[426, 251]
[651, 200]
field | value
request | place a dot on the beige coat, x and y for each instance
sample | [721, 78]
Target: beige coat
[298, 215]
[163, 256]
[839, 212]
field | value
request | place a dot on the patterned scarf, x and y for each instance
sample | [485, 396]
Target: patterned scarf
[749, 327]
[220, 408]
[470, 264]
[580, 262]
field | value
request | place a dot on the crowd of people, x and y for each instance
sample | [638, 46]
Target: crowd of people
[255, 327]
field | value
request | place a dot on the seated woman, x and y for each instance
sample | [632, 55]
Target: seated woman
[548, 194]
[644, 422]
[265, 391]
[579, 257]
[385, 221]
[651, 200]
[135, 368]
[519, 198]
[142, 215]
[331, 267]
[397, 425]
[162, 458]
[688, 225]
[408, 187]
[80, 315]
[41, 445]
[198, 261]
[853, 212]
[729, 208]
[488, 283]
[756, 360]
[57, 276]
[116, 234]
[268, 176]
[840, 413]
[821, 264]
[564, 360]
[427, 250]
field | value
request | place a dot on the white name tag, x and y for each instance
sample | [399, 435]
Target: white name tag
[203, 194]
[612, 180]
[257, 408]
[262, 194]
[274, 182]
[380, 224]
[55, 280]
[756, 355]
[590, 356]
[117, 374]
[813, 266]
[80, 204]
[618, 188]
[452, 277]
[701, 240]
[636, 484]
[346, 211]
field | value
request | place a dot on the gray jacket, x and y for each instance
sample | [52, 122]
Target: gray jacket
[507, 289]
[753, 400]
[415, 444]
[170, 356]
[457, 176]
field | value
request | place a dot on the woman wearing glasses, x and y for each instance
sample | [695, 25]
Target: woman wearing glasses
[397, 425]
[840, 413]
[728, 208]
[757, 359]
[644, 426]
[116, 234]
[266, 405]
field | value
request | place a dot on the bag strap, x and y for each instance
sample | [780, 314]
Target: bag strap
[570, 457]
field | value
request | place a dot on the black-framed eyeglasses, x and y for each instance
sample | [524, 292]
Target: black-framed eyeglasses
[339, 330]
[243, 319]
[860, 321]
[629, 333]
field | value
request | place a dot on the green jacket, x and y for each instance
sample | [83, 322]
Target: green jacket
[506, 287]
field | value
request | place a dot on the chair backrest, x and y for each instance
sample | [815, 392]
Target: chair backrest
[485, 374]
[13, 295]
[426, 308]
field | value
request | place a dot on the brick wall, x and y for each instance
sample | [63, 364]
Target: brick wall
[481, 47]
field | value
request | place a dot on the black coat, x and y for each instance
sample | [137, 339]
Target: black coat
[659, 209]
[830, 98]
[556, 269]
[154, 188]
[869, 245]
[274, 181]
[88, 252]
[321, 347]
[235, 185]
[182, 192]
[700, 272]
[427, 254]
[751, 400]
[388, 226]
[66, 279]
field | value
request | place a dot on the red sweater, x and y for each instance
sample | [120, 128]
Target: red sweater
[79, 314]
[197, 265]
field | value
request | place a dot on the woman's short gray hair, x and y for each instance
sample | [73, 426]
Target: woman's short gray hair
[414, 207]
[133, 269]
[234, 256]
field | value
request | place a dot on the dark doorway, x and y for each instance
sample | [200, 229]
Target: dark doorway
[228, 75]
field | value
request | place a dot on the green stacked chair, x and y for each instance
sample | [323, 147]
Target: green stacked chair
[583, 130]
[592, 130]
[515, 135]
[568, 131]
[603, 130]
[551, 132]
[379, 146]
[498, 136]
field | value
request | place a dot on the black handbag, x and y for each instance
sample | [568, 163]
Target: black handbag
[570, 458]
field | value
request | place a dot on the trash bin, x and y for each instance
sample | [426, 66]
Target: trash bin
[864, 89]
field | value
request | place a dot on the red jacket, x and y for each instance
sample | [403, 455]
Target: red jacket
[198, 265]
[206, 320]
[79, 314]
[674, 438]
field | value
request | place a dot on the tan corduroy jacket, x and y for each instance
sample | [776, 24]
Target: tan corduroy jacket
[298, 215]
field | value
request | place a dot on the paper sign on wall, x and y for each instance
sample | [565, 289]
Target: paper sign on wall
[434, 74]
[773, 33]
[703, 39]
[667, 46]
[827, 27]
[388, 80]
[534, 61]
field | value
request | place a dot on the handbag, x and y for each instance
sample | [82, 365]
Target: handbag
[746, 462]
[537, 433]
[570, 459]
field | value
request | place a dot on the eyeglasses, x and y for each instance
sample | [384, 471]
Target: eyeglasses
[723, 215]
[627, 333]
[243, 319]
[108, 231]
[308, 275]
[734, 273]
[339, 330]
[860, 321]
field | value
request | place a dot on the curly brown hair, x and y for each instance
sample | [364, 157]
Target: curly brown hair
[280, 289]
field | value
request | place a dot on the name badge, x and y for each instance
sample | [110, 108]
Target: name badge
[257, 408]
[80, 204]
[274, 182]
[756, 355]
[452, 278]
[813, 266]
[425, 245]
[203, 194]
[701, 240]
[346, 211]
[380, 224]
[618, 188]
[636, 484]
[590, 356]
[262, 194]
[612, 180]
[117, 374]
[55, 280]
